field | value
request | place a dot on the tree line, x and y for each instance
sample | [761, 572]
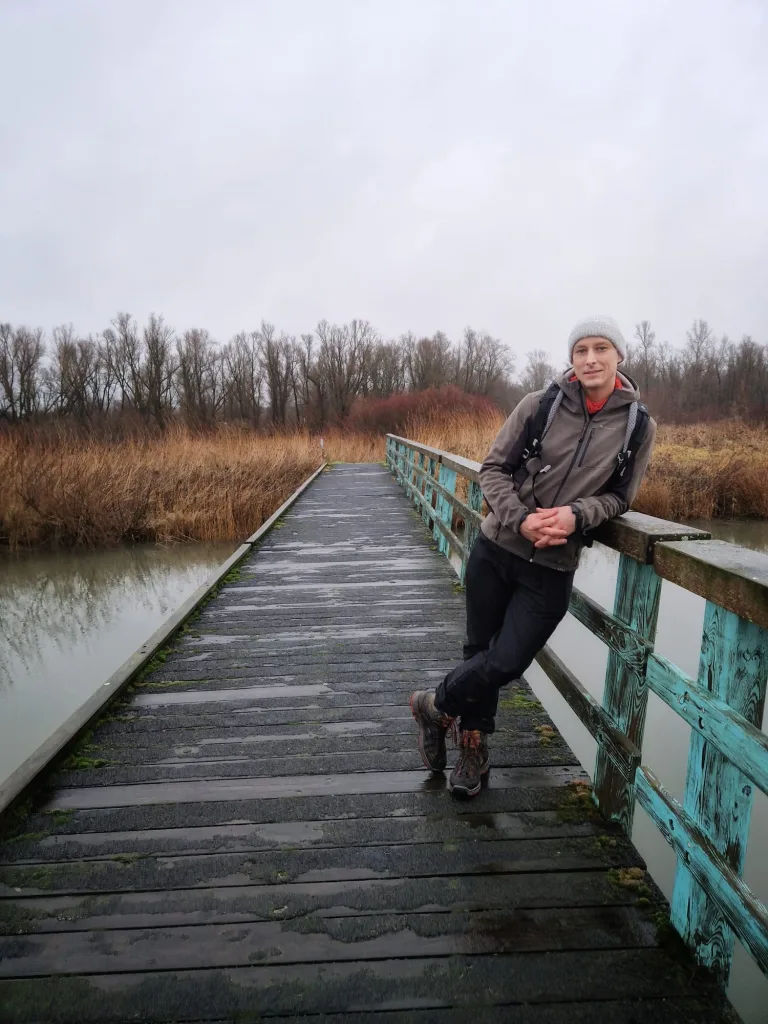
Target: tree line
[709, 377]
[263, 377]
[267, 378]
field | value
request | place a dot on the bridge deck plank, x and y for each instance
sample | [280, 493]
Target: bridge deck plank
[262, 840]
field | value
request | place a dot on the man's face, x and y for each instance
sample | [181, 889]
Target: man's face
[595, 361]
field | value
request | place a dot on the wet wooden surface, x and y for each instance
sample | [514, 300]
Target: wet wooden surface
[252, 835]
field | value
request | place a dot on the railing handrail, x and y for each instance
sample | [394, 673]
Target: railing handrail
[724, 706]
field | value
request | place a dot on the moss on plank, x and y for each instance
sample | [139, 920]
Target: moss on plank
[129, 858]
[520, 701]
[28, 837]
[576, 803]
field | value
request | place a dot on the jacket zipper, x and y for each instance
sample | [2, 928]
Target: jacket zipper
[586, 446]
[575, 454]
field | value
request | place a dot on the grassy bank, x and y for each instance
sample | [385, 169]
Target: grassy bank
[223, 486]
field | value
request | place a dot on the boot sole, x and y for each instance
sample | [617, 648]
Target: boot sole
[424, 758]
[463, 791]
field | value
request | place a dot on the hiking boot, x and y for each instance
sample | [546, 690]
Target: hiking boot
[433, 725]
[473, 763]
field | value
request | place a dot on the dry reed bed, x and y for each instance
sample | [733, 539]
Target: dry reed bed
[223, 486]
[700, 471]
[176, 488]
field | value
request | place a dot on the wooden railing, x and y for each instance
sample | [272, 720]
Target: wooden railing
[728, 753]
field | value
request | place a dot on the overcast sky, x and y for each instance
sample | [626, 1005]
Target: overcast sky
[423, 164]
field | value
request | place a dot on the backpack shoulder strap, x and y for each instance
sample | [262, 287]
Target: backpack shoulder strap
[637, 427]
[535, 428]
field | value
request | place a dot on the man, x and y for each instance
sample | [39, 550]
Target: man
[545, 493]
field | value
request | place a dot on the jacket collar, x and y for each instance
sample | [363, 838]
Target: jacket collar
[572, 391]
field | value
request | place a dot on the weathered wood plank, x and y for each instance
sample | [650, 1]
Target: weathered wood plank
[625, 696]
[742, 743]
[718, 797]
[328, 940]
[736, 578]
[636, 535]
[584, 978]
[622, 752]
[619, 637]
[711, 870]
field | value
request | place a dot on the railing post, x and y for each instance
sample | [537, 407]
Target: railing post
[471, 531]
[419, 483]
[400, 461]
[625, 698]
[428, 489]
[733, 666]
[412, 475]
[444, 509]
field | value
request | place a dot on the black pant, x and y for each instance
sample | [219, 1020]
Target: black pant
[513, 607]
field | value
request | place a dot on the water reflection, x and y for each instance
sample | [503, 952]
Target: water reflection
[68, 620]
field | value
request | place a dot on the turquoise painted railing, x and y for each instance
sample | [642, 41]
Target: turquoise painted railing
[728, 754]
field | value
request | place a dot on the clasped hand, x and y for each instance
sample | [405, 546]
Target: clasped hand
[549, 527]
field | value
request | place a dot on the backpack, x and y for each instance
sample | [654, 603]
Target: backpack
[536, 428]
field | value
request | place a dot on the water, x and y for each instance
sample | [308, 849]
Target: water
[665, 745]
[69, 620]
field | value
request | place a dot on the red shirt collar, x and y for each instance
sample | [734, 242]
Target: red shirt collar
[593, 407]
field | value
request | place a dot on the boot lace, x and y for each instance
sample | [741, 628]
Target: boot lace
[470, 741]
[451, 724]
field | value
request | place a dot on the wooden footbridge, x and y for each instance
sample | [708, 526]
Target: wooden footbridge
[239, 826]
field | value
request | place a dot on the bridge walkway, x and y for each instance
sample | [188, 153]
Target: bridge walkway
[251, 833]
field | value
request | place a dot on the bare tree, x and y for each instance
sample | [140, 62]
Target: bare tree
[123, 350]
[159, 368]
[466, 359]
[199, 383]
[72, 379]
[646, 339]
[21, 354]
[277, 358]
[494, 364]
[243, 378]
[430, 361]
[538, 371]
[343, 360]
[387, 374]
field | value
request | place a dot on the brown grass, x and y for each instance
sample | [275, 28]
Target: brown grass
[706, 471]
[700, 471]
[223, 486]
[179, 487]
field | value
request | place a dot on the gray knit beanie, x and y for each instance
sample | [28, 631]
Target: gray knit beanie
[598, 327]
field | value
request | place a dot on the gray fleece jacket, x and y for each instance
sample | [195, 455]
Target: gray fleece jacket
[580, 451]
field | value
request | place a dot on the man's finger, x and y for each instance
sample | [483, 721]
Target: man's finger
[553, 531]
[547, 513]
[550, 542]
